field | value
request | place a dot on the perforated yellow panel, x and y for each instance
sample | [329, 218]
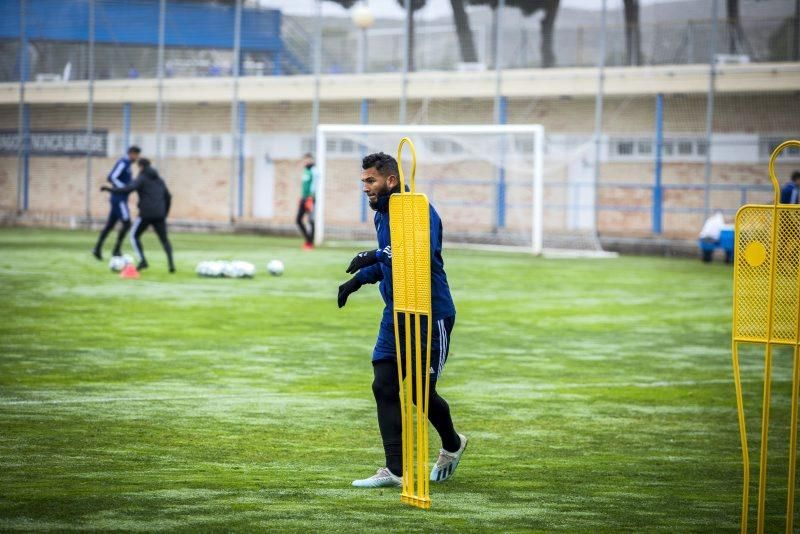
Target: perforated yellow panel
[753, 273]
[409, 224]
[784, 321]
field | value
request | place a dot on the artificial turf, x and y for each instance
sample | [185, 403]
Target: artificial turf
[597, 394]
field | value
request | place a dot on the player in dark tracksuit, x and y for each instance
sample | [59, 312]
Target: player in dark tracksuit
[380, 178]
[154, 203]
[120, 176]
[790, 192]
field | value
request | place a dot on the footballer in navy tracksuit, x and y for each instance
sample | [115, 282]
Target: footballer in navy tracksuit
[790, 192]
[380, 179]
[120, 176]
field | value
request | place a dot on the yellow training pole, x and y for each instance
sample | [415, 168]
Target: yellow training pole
[422, 416]
[793, 441]
[737, 378]
[762, 465]
[409, 224]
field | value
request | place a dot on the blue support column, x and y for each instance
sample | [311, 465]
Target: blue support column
[277, 69]
[363, 150]
[240, 155]
[26, 150]
[24, 127]
[502, 117]
[657, 191]
[126, 125]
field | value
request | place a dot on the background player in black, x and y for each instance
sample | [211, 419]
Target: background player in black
[154, 203]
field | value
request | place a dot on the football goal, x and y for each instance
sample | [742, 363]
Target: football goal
[486, 181]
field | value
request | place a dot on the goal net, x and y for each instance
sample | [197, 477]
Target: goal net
[487, 182]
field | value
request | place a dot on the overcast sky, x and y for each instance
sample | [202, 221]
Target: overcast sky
[433, 8]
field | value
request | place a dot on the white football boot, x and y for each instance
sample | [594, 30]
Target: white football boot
[447, 462]
[383, 478]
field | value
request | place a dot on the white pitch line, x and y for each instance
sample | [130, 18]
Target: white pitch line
[540, 387]
[100, 400]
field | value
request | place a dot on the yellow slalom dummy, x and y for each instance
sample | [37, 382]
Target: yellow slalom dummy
[409, 225]
[766, 311]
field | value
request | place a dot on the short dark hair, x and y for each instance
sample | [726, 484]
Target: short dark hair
[795, 176]
[383, 163]
[144, 163]
[134, 148]
[308, 155]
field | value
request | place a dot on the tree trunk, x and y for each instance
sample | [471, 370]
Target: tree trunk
[548, 22]
[411, 40]
[733, 26]
[633, 35]
[465, 42]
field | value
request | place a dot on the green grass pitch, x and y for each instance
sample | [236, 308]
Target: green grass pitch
[597, 394]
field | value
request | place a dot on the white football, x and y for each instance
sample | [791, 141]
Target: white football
[275, 267]
[117, 263]
[244, 269]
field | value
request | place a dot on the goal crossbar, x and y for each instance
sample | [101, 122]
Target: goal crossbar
[536, 131]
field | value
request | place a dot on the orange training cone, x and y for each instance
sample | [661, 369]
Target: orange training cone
[129, 271]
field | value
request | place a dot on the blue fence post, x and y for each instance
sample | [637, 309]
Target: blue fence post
[502, 118]
[240, 154]
[364, 116]
[24, 113]
[26, 150]
[657, 191]
[126, 125]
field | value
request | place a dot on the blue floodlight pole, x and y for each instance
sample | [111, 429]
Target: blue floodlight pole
[162, 14]
[240, 155]
[236, 180]
[657, 191]
[500, 112]
[23, 125]
[90, 115]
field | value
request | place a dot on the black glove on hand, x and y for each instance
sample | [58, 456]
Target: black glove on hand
[351, 286]
[105, 188]
[362, 259]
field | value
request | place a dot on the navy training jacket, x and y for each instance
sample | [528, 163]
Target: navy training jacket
[120, 176]
[789, 193]
[441, 300]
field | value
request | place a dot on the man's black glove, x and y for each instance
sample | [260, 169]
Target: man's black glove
[351, 286]
[362, 259]
[105, 188]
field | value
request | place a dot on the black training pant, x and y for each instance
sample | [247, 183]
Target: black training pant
[386, 388]
[160, 226]
[308, 233]
[112, 220]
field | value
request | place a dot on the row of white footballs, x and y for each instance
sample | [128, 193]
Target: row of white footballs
[213, 269]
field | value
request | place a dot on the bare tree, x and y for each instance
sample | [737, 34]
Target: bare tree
[416, 5]
[465, 42]
[633, 34]
[528, 8]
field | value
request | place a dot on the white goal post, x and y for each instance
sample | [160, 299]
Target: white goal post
[485, 180]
